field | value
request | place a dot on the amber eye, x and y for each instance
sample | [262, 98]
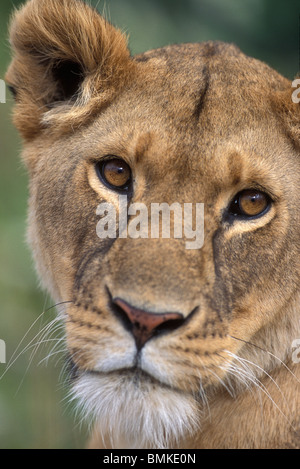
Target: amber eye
[115, 173]
[250, 203]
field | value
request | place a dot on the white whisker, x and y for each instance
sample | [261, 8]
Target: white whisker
[42, 337]
[247, 374]
[269, 353]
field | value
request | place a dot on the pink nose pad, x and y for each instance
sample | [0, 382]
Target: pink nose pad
[145, 324]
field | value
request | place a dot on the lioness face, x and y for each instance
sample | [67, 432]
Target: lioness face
[153, 328]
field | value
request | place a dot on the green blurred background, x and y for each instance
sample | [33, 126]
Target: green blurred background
[33, 408]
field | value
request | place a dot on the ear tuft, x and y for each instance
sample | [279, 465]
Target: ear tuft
[65, 55]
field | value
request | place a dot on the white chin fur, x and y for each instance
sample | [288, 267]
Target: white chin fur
[134, 412]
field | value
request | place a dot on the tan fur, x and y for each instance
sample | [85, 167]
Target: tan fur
[196, 123]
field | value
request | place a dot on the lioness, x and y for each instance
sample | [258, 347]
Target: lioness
[170, 346]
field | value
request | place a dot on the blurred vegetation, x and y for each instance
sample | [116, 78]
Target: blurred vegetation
[33, 413]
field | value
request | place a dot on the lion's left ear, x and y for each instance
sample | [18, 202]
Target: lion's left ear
[65, 55]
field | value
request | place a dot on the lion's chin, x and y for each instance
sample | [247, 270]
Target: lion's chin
[133, 411]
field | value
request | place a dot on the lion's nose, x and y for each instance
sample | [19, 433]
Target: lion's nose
[144, 324]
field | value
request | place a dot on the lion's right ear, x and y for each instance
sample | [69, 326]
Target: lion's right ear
[65, 56]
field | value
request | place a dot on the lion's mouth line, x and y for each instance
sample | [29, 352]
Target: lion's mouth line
[134, 373]
[138, 378]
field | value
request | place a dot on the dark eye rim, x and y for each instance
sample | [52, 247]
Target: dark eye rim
[99, 167]
[234, 210]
